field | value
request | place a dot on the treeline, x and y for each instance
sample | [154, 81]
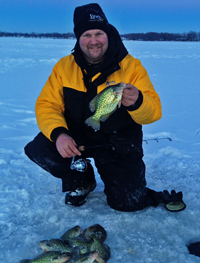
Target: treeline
[151, 36]
[38, 35]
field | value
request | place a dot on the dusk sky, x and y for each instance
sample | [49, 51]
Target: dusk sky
[128, 16]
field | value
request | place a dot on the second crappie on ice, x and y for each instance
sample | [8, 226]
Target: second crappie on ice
[104, 104]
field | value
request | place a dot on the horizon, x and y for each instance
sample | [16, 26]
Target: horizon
[34, 32]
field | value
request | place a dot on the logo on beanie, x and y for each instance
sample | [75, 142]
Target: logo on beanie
[96, 18]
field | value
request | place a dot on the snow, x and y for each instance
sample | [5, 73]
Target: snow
[31, 200]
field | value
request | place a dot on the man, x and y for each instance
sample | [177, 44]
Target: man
[99, 59]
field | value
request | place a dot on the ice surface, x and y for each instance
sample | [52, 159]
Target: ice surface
[31, 201]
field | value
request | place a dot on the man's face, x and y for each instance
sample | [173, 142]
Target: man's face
[94, 44]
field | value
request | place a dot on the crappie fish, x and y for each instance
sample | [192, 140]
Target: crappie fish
[49, 257]
[85, 258]
[104, 104]
[75, 239]
[96, 230]
[103, 249]
[81, 243]
[55, 245]
[71, 233]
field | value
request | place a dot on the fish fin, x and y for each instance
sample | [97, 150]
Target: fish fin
[106, 116]
[94, 123]
[93, 104]
[119, 103]
[100, 260]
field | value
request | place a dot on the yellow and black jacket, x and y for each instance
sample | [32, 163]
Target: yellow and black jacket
[63, 104]
[65, 89]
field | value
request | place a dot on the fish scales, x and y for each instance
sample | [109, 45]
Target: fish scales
[72, 232]
[85, 258]
[52, 256]
[104, 104]
[96, 230]
[103, 249]
[81, 247]
[79, 242]
[56, 245]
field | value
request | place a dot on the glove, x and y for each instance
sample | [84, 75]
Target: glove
[173, 202]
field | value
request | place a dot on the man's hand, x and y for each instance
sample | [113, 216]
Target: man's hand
[130, 95]
[66, 146]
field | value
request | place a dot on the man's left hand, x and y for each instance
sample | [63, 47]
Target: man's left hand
[130, 95]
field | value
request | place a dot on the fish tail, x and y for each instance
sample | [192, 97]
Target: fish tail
[94, 123]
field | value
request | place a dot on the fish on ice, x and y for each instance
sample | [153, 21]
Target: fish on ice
[49, 257]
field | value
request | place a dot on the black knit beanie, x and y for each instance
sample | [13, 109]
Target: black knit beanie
[89, 17]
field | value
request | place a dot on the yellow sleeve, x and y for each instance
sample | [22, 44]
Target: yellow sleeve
[50, 104]
[150, 109]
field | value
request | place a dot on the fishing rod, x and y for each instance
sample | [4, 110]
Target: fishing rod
[83, 148]
[81, 165]
[167, 138]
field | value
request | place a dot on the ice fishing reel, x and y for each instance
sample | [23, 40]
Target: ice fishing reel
[79, 165]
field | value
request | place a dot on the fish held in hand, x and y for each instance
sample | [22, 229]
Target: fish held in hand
[104, 104]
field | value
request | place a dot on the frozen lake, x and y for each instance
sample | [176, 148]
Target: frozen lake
[31, 202]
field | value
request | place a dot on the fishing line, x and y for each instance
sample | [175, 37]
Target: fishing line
[81, 164]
